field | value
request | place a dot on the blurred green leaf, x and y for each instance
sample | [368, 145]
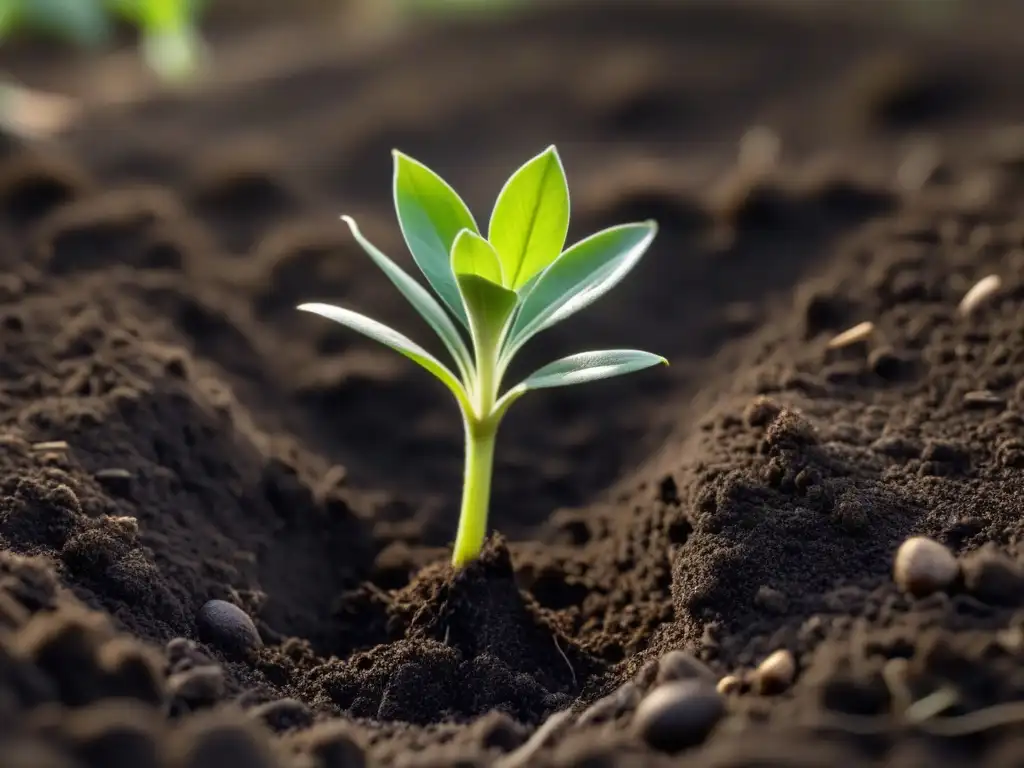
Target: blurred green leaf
[82, 22]
[174, 53]
[170, 40]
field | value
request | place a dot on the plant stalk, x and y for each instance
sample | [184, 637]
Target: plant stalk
[476, 493]
[481, 422]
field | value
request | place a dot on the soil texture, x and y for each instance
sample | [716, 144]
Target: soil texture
[173, 432]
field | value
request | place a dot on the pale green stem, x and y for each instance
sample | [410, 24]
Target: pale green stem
[476, 490]
[481, 429]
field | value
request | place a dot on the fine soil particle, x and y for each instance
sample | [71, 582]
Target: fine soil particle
[225, 524]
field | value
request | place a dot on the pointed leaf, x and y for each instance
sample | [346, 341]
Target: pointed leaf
[431, 215]
[591, 366]
[391, 338]
[472, 255]
[531, 218]
[421, 299]
[490, 306]
[580, 369]
[579, 277]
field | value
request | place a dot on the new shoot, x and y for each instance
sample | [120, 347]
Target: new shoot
[497, 291]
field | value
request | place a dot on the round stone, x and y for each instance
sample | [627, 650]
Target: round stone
[227, 626]
[776, 673]
[679, 715]
[923, 566]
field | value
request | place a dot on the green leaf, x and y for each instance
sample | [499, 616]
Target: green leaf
[531, 218]
[526, 287]
[472, 255]
[591, 366]
[392, 338]
[580, 369]
[579, 277]
[421, 299]
[490, 307]
[431, 215]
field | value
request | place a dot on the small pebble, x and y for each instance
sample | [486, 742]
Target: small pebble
[680, 665]
[979, 293]
[679, 715]
[227, 626]
[923, 566]
[50, 445]
[729, 684]
[776, 673]
[851, 336]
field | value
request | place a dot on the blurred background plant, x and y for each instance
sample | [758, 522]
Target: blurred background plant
[169, 38]
[169, 29]
[168, 35]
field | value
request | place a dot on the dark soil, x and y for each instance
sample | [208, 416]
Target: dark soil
[174, 432]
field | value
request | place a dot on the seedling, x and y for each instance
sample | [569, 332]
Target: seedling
[170, 41]
[503, 290]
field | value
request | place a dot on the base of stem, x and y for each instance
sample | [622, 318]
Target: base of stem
[476, 494]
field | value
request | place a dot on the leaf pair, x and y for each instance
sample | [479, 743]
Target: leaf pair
[526, 232]
[505, 288]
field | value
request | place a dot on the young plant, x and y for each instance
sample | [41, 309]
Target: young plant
[503, 289]
[170, 40]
